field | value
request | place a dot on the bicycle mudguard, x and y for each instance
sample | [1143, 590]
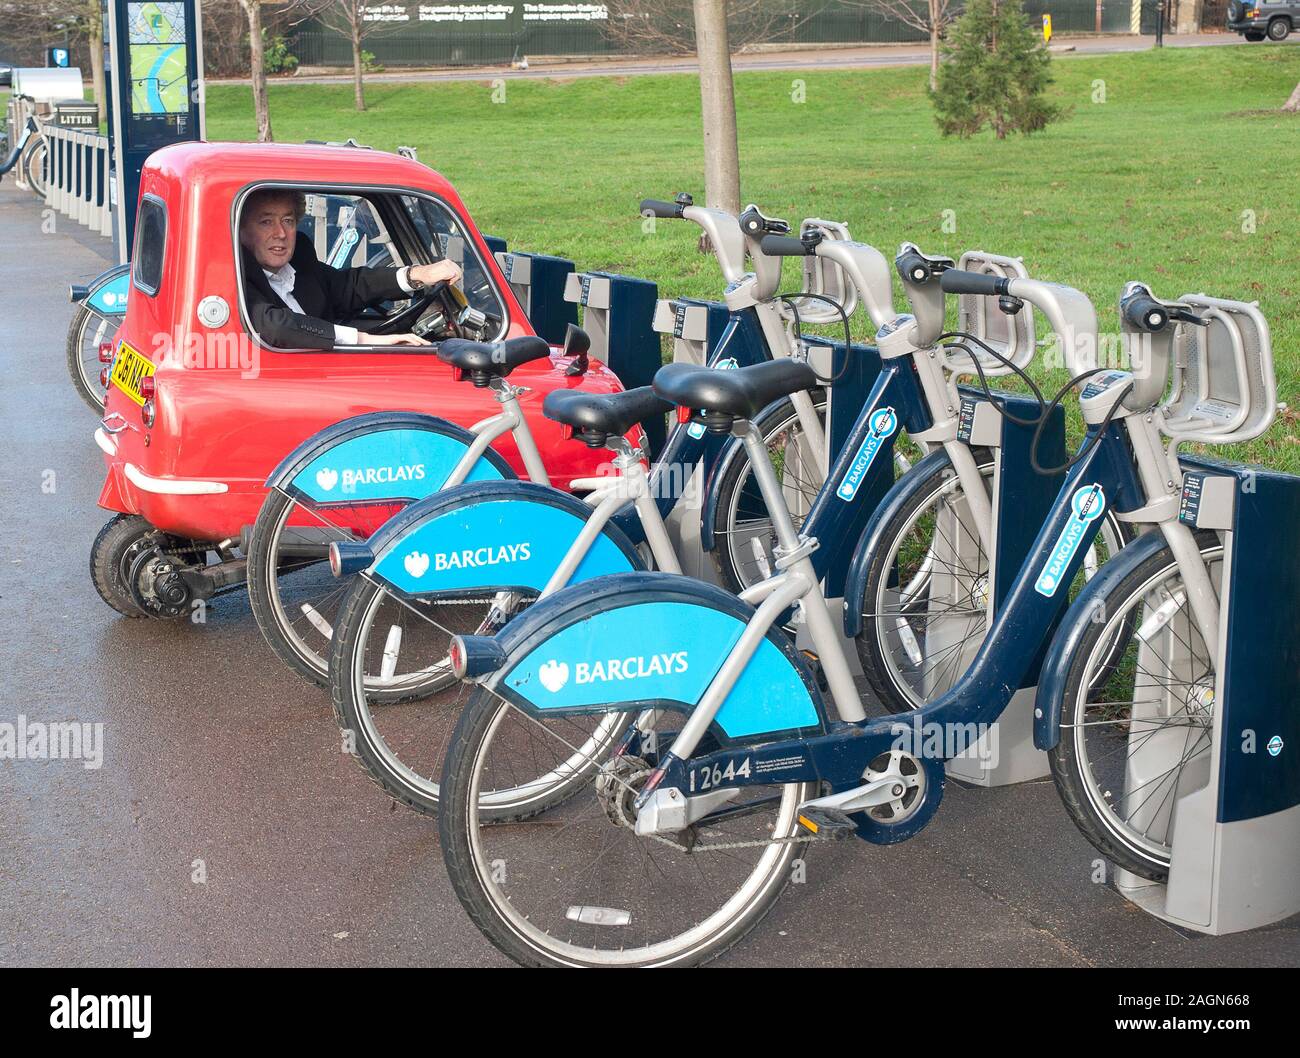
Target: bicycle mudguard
[488, 537]
[1081, 614]
[855, 584]
[379, 457]
[106, 294]
[647, 640]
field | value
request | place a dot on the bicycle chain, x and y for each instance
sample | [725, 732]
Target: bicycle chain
[721, 846]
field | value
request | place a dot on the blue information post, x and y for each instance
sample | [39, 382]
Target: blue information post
[155, 75]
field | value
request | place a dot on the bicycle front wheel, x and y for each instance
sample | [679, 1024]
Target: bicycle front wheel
[578, 886]
[1136, 729]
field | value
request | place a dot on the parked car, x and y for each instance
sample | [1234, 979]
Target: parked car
[201, 409]
[1256, 21]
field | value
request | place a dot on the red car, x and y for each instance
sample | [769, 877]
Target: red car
[199, 411]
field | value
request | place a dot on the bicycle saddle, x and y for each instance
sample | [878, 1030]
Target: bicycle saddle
[482, 361]
[595, 417]
[740, 393]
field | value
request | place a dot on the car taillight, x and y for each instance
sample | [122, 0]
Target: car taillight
[147, 387]
[103, 377]
[105, 352]
[147, 413]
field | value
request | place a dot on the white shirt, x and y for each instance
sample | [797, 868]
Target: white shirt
[282, 281]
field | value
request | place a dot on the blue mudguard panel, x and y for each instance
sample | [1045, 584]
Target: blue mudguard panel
[653, 639]
[109, 291]
[502, 536]
[383, 456]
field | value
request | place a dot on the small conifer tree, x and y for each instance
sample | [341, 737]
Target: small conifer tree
[994, 73]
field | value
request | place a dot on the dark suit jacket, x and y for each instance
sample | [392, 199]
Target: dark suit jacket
[327, 296]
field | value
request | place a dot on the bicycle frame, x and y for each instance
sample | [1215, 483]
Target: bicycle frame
[1123, 468]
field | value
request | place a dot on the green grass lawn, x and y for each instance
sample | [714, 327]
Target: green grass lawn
[1151, 184]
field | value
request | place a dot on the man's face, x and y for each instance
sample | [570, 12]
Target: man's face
[269, 230]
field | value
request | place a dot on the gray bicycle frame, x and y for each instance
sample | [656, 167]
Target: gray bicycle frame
[795, 582]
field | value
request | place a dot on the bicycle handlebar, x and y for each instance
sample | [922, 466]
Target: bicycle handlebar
[913, 266]
[786, 246]
[1145, 313]
[658, 208]
[957, 281]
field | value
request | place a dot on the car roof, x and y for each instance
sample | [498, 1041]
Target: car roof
[306, 163]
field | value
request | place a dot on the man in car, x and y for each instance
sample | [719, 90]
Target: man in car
[297, 302]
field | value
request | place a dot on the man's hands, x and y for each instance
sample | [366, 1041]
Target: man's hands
[390, 339]
[428, 274]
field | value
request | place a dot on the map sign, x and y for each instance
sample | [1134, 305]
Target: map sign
[159, 58]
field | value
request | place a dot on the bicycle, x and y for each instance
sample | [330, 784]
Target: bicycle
[294, 599]
[677, 835]
[531, 542]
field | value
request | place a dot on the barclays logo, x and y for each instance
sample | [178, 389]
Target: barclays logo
[418, 563]
[351, 478]
[1088, 503]
[884, 424]
[554, 675]
[382, 475]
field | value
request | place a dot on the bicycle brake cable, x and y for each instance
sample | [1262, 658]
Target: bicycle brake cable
[790, 300]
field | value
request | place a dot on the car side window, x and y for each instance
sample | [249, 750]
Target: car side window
[150, 244]
[442, 233]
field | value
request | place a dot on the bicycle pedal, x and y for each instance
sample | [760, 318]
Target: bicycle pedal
[827, 823]
[819, 674]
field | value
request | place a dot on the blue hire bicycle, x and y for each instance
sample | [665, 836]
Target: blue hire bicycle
[690, 752]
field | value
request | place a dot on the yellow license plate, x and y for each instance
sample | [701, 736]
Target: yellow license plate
[129, 370]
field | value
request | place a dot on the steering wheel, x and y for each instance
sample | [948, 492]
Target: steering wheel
[421, 300]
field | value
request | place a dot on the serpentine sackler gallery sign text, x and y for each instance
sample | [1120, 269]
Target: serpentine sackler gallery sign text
[484, 12]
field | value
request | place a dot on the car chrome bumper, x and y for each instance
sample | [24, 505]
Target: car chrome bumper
[172, 486]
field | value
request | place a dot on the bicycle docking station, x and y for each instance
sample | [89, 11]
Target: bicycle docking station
[703, 332]
[617, 312]
[1233, 815]
[1021, 499]
[1235, 821]
[538, 282]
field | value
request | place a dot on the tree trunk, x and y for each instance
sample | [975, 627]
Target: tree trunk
[934, 45]
[718, 106]
[357, 90]
[95, 41]
[257, 61]
[1293, 104]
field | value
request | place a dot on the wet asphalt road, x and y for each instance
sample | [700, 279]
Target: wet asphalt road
[214, 752]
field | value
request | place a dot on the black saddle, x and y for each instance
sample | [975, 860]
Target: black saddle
[596, 417]
[483, 361]
[737, 394]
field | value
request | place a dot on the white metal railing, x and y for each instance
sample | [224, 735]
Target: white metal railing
[79, 176]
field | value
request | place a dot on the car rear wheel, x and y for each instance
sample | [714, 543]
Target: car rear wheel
[1279, 29]
[1254, 37]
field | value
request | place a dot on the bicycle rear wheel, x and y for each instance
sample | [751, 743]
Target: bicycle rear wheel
[578, 886]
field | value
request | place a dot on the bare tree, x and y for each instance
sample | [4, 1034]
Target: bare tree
[257, 69]
[29, 26]
[718, 106]
[667, 27]
[927, 16]
[347, 18]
